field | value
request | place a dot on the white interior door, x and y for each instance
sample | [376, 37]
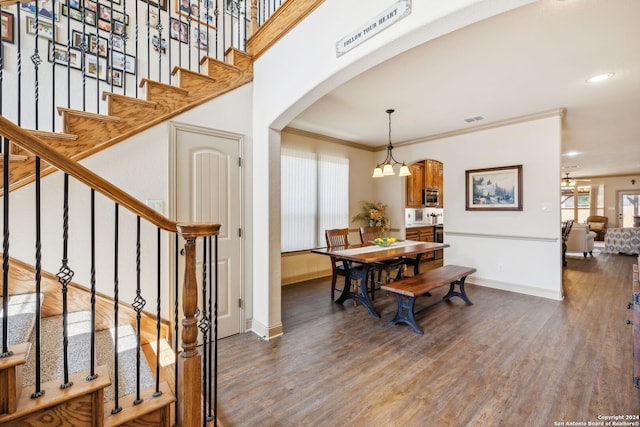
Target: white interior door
[208, 189]
[628, 207]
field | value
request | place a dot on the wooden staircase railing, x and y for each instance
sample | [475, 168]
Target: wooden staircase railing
[190, 372]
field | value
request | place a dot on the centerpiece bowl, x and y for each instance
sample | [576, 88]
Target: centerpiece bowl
[384, 241]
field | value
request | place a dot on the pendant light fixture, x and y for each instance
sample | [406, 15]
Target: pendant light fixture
[386, 167]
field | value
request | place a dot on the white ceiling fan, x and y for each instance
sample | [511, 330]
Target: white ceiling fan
[570, 182]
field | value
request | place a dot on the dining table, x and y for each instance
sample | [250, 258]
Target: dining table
[358, 259]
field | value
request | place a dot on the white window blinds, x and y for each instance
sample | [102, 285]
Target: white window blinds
[315, 197]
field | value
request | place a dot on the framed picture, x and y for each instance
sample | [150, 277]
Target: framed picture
[98, 45]
[74, 14]
[118, 27]
[58, 53]
[199, 39]
[75, 58]
[7, 27]
[202, 11]
[130, 64]
[494, 189]
[117, 43]
[90, 5]
[163, 4]
[45, 28]
[96, 66]
[117, 60]
[116, 78]
[46, 8]
[104, 25]
[90, 17]
[179, 30]
[75, 4]
[105, 12]
[78, 39]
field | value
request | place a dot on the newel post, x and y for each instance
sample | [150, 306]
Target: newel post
[253, 23]
[189, 367]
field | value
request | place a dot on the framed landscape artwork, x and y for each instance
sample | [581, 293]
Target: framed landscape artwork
[494, 189]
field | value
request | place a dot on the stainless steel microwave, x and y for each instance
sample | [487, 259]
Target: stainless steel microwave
[430, 197]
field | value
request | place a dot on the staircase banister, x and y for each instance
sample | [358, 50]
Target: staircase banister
[35, 145]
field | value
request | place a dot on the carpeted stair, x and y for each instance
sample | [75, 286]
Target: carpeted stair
[20, 317]
[79, 346]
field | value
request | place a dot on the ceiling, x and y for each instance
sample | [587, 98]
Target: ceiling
[529, 60]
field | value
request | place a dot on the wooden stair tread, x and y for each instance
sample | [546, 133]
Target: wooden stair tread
[53, 135]
[19, 356]
[16, 158]
[86, 114]
[191, 73]
[132, 412]
[54, 395]
[209, 61]
[142, 102]
[166, 86]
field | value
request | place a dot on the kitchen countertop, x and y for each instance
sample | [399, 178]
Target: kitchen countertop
[424, 225]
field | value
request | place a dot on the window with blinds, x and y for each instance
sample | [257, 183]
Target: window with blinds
[315, 197]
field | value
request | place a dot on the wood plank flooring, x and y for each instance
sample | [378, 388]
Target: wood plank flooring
[509, 359]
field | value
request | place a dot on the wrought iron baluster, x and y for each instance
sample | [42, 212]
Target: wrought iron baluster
[138, 305]
[92, 375]
[176, 313]
[204, 326]
[38, 392]
[116, 300]
[5, 251]
[158, 322]
[213, 336]
[65, 274]
[215, 333]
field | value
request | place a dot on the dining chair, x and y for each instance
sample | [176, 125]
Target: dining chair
[338, 237]
[368, 234]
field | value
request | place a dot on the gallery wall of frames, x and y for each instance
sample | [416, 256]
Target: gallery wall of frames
[64, 45]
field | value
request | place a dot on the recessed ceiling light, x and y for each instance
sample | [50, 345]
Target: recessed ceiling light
[571, 153]
[599, 77]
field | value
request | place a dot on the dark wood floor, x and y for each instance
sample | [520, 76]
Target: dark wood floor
[509, 359]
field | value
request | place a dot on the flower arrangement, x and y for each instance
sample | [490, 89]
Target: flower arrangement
[373, 214]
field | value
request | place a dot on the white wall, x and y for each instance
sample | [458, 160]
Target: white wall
[284, 86]
[139, 166]
[513, 250]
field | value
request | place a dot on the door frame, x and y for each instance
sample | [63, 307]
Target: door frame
[174, 128]
[619, 205]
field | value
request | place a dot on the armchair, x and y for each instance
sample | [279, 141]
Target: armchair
[581, 239]
[598, 224]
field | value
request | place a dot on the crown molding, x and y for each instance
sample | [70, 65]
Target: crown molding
[556, 112]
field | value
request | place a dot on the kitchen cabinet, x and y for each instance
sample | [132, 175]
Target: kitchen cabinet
[414, 185]
[422, 234]
[433, 177]
[424, 174]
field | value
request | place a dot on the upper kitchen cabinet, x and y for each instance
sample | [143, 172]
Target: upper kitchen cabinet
[424, 174]
[433, 177]
[414, 185]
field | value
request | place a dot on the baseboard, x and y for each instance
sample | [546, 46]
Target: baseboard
[264, 332]
[518, 288]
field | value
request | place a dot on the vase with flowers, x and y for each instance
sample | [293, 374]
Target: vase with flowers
[373, 214]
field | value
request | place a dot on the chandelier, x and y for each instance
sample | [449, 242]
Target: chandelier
[386, 167]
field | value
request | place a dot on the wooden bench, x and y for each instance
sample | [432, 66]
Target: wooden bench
[408, 289]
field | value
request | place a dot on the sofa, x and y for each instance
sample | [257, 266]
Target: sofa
[622, 240]
[581, 239]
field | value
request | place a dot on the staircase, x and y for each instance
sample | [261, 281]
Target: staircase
[89, 401]
[87, 133]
